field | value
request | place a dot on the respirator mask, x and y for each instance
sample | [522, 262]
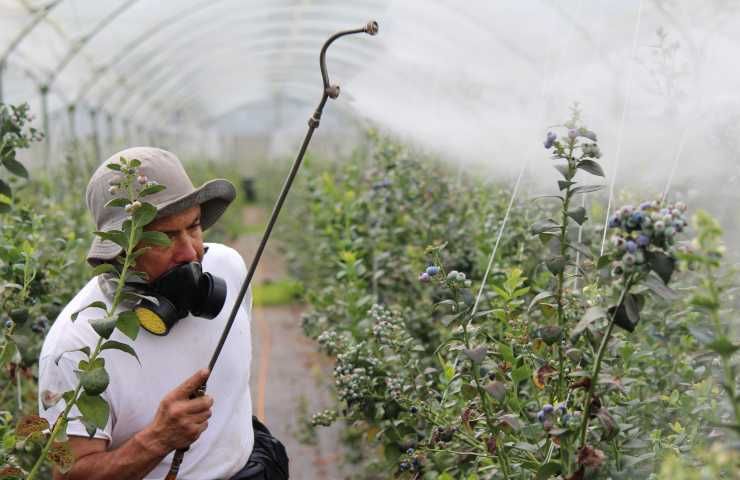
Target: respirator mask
[183, 290]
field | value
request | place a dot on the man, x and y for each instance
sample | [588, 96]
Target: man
[151, 412]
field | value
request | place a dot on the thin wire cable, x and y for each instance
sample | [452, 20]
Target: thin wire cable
[674, 167]
[691, 122]
[625, 106]
[597, 48]
[515, 191]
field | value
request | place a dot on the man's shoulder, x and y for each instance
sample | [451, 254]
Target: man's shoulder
[223, 257]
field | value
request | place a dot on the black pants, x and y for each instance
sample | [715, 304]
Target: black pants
[268, 460]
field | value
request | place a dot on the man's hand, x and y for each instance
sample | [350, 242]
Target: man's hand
[179, 420]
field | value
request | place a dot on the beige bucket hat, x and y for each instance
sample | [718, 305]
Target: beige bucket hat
[164, 168]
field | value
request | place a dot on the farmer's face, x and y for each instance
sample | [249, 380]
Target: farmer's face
[186, 245]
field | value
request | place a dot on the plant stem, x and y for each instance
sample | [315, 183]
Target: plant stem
[599, 358]
[561, 275]
[62, 419]
[54, 433]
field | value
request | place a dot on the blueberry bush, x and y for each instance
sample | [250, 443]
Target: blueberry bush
[37, 282]
[596, 348]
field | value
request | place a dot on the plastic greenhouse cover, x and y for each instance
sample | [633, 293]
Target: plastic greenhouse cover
[477, 80]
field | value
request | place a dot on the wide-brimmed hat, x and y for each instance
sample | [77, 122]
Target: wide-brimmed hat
[164, 168]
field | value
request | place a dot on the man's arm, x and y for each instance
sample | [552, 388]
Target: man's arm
[179, 421]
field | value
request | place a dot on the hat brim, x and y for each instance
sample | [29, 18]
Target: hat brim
[213, 197]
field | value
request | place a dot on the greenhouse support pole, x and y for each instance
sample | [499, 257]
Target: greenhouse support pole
[330, 91]
[38, 18]
[44, 89]
[111, 134]
[2, 72]
[95, 136]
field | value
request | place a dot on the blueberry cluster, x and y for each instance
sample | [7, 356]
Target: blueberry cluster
[330, 341]
[324, 418]
[426, 275]
[651, 225]
[387, 328]
[355, 373]
[394, 385]
[453, 278]
[589, 149]
[549, 415]
[413, 465]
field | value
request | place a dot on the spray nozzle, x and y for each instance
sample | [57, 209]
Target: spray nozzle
[371, 28]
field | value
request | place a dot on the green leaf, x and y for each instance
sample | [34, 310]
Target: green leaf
[8, 352]
[564, 171]
[115, 236]
[512, 422]
[628, 314]
[96, 304]
[4, 207]
[506, 353]
[581, 248]
[103, 268]
[555, 264]
[94, 410]
[662, 264]
[103, 326]
[497, 390]
[157, 239]
[608, 424]
[128, 323]
[114, 345]
[656, 285]
[545, 225]
[578, 214]
[117, 202]
[476, 355]
[586, 189]
[550, 334]
[591, 167]
[723, 346]
[5, 189]
[15, 167]
[144, 214]
[114, 166]
[591, 315]
[85, 350]
[520, 374]
[95, 381]
[151, 190]
[563, 184]
[549, 470]
[603, 261]
[539, 297]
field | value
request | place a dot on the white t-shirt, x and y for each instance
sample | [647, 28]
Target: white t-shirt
[135, 390]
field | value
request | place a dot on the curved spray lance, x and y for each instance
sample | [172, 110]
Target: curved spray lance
[330, 91]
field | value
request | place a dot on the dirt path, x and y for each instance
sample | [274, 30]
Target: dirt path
[288, 375]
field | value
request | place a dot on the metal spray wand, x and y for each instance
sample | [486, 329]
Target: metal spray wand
[330, 91]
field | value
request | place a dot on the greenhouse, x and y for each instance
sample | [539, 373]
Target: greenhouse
[372, 239]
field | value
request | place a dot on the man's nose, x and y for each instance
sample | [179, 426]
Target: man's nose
[184, 249]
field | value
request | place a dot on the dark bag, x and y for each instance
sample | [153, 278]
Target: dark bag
[268, 460]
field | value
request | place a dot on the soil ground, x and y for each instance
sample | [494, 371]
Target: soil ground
[289, 377]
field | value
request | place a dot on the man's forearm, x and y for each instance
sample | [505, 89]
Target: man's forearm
[131, 461]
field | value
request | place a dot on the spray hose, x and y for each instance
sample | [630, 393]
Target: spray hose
[330, 91]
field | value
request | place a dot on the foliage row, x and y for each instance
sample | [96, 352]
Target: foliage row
[568, 363]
